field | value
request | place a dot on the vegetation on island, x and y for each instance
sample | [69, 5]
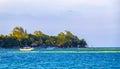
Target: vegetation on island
[20, 38]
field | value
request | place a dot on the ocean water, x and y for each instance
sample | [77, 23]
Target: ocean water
[59, 59]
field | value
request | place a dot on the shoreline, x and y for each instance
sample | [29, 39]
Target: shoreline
[70, 49]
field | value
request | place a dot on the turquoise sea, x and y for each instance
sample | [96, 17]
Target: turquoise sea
[94, 58]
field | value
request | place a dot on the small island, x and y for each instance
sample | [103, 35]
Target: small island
[20, 38]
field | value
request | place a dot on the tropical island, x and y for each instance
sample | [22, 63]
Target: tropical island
[20, 38]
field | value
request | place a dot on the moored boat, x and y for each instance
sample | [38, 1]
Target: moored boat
[26, 49]
[50, 48]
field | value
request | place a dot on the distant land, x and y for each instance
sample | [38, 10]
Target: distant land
[20, 38]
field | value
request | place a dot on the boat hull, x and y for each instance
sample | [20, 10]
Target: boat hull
[30, 49]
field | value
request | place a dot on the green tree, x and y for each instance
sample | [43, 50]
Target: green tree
[61, 39]
[19, 33]
[38, 33]
[83, 43]
[19, 37]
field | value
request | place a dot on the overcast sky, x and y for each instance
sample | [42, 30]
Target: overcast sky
[97, 21]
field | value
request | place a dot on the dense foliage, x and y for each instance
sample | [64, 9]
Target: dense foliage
[20, 38]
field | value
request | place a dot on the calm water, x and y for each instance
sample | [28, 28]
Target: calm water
[54, 59]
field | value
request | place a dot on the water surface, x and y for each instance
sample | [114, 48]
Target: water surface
[60, 59]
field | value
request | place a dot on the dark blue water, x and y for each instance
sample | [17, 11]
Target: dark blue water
[60, 60]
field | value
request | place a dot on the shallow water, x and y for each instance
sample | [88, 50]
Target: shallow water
[59, 59]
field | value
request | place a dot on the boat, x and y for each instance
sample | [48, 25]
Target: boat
[26, 49]
[50, 48]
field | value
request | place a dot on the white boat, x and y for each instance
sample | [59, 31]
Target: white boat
[26, 49]
[50, 48]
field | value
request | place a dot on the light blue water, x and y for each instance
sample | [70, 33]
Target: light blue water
[72, 59]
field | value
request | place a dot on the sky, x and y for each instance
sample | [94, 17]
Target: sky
[97, 21]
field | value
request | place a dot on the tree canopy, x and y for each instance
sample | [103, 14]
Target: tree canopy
[19, 38]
